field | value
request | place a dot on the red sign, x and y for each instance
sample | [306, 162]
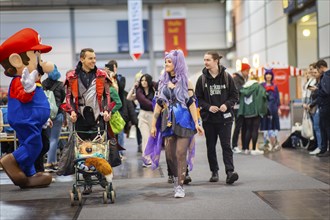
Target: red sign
[281, 79]
[175, 35]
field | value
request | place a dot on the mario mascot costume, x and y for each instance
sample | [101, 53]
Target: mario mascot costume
[28, 107]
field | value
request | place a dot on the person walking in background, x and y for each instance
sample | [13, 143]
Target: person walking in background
[240, 79]
[270, 123]
[179, 120]
[131, 96]
[119, 83]
[52, 83]
[88, 99]
[217, 95]
[144, 94]
[323, 102]
[253, 106]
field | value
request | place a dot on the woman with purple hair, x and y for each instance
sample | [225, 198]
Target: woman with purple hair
[270, 123]
[179, 121]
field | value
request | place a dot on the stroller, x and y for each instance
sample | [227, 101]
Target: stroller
[88, 175]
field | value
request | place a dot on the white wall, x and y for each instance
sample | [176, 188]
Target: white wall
[261, 28]
[324, 30]
[97, 28]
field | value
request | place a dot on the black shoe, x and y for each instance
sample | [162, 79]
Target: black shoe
[139, 149]
[231, 177]
[103, 181]
[323, 154]
[187, 180]
[214, 177]
[87, 190]
[170, 179]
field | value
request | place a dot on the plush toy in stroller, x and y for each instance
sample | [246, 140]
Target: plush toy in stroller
[92, 163]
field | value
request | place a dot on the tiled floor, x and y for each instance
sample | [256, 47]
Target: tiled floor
[290, 204]
[299, 204]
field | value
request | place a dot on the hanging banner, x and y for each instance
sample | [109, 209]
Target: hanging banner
[175, 29]
[122, 36]
[135, 28]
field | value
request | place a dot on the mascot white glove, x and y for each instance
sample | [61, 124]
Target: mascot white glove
[28, 80]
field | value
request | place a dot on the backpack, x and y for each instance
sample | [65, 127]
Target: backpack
[325, 82]
[52, 101]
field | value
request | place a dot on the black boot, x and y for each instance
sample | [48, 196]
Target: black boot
[231, 177]
[214, 177]
[187, 179]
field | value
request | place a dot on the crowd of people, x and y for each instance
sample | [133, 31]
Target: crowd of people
[316, 103]
[169, 111]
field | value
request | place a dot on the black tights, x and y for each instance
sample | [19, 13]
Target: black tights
[250, 130]
[176, 156]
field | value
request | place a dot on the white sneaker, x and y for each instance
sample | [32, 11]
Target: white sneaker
[316, 151]
[179, 192]
[246, 151]
[256, 152]
[236, 150]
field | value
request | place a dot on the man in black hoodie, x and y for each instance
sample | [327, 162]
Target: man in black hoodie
[217, 94]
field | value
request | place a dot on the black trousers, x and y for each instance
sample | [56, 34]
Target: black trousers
[212, 132]
[250, 130]
[87, 131]
[237, 129]
[39, 163]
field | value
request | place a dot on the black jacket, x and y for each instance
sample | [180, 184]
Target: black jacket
[238, 80]
[59, 91]
[226, 94]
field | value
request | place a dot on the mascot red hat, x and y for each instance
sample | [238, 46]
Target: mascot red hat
[28, 107]
[22, 41]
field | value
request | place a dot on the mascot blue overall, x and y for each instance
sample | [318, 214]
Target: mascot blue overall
[28, 107]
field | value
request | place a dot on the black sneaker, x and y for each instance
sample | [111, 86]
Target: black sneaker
[139, 148]
[323, 154]
[170, 179]
[214, 177]
[187, 180]
[103, 181]
[231, 177]
[87, 190]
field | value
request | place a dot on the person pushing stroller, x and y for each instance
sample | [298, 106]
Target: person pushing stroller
[88, 99]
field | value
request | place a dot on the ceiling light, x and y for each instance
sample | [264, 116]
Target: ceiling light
[305, 18]
[306, 32]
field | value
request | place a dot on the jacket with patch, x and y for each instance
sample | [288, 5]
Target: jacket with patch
[253, 100]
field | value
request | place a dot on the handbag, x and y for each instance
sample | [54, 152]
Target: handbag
[66, 162]
[307, 126]
[114, 156]
[117, 122]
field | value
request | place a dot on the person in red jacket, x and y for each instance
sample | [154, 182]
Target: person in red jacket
[28, 107]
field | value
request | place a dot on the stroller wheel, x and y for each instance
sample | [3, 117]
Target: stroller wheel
[105, 197]
[72, 198]
[79, 197]
[112, 196]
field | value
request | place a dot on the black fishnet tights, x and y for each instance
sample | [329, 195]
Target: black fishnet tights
[176, 156]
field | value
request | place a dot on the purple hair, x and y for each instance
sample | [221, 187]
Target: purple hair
[180, 80]
[269, 71]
